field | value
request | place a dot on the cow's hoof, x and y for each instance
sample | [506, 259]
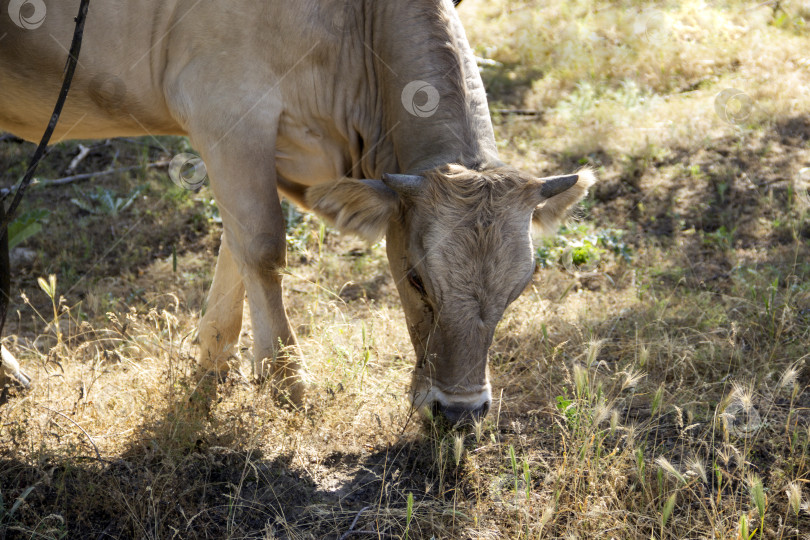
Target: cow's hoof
[287, 393]
[293, 394]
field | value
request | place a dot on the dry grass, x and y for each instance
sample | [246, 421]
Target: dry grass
[652, 382]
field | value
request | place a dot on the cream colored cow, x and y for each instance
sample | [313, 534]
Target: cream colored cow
[371, 113]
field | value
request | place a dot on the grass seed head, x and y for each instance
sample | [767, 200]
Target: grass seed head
[696, 467]
[478, 429]
[744, 394]
[657, 399]
[670, 469]
[601, 412]
[631, 379]
[580, 380]
[614, 421]
[794, 495]
[545, 517]
[791, 373]
[757, 492]
[643, 356]
[458, 448]
[630, 434]
[668, 507]
[594, 348]
[743, 527]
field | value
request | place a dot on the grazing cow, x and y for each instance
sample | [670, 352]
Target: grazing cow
[371, 113]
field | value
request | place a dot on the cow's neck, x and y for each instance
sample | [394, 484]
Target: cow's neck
[423, 40]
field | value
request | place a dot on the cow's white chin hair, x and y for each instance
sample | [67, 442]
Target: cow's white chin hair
[422, 401]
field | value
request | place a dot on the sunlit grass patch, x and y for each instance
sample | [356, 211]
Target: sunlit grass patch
[629, 74]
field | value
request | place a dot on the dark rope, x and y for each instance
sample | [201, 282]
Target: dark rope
[70, 68]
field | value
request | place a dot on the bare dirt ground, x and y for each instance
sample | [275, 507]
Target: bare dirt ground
[651, 382]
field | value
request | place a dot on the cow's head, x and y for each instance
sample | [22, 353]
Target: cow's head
[460, 251]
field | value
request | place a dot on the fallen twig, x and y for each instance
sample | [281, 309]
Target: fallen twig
[69, 419]
[83, 151]
[351, 530]
[87, 176]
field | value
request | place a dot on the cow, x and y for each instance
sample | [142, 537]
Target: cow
[370, 113]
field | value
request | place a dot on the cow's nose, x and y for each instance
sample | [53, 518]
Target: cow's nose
[460, 414]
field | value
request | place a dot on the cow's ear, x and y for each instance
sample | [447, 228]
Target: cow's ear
[361, 207]
[553, 197]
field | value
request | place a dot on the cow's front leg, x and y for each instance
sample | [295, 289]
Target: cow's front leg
[276, 351]
[243, 181]
[222, 320]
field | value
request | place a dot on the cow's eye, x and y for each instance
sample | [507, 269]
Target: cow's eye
[416, 282]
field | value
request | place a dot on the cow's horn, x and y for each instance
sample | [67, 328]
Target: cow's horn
[554, 185]
[404, 184]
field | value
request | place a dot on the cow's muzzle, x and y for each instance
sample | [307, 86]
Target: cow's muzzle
[460, 414]
[455, 407]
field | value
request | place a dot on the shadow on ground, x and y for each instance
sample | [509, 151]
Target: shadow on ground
[181, 478]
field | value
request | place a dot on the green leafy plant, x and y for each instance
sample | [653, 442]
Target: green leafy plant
[527, 478]
[105, 202]
[667, 511]
[513, 461]
[408, 515]
[722, 238]
[581, 250]
[569, 409]
[26, 226]
[757, 492]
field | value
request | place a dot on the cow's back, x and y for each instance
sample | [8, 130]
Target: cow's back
[115, 91]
